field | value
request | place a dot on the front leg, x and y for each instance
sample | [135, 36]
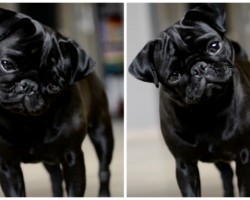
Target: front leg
[226, 173]
[188, 178]
[243, 172]
[11, 179]
[56, 178]
[74, 173]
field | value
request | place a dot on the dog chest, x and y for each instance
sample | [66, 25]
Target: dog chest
[51, 153]
[38, 142]
[40, 153]
[219, 152]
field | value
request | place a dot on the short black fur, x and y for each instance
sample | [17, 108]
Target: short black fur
[204, 97]
[50, 98]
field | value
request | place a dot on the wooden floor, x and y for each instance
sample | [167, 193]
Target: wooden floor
[37, 180]
[151, 168]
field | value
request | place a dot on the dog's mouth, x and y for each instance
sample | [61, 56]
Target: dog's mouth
[22, 98]
[208, 85]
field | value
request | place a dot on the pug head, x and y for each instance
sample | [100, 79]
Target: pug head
[36, 64]
[192, 59]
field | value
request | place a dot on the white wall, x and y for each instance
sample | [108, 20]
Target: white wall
[142, 97]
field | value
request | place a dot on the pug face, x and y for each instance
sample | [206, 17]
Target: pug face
[200, 65]
[36, 64]
[192, 59]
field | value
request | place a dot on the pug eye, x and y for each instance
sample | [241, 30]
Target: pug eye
[214, 47]
[8, 66]
[53, 89]
[174, 77]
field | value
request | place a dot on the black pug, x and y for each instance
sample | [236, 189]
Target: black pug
[50, 98]
[204, 97]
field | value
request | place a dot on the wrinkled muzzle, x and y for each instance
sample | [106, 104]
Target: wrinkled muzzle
[207, 81]
[22, 97]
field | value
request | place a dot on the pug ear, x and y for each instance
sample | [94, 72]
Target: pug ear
[143, 66]
[77, 64]
[211, 13]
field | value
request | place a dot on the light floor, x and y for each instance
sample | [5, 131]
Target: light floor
[37, 180]
[151, 168]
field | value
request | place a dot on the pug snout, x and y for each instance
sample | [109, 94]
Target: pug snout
[28, 86]
[198, 68]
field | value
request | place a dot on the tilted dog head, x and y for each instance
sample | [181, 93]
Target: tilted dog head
[192, 59]
[36, 64]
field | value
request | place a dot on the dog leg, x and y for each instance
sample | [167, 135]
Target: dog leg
[74, 173]
[188, 178]
[56, 178]
[226, 173]
[11, 179]
[101, 135]
[243, 172]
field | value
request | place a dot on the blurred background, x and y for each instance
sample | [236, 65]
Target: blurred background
[98, 28]
[151, 168]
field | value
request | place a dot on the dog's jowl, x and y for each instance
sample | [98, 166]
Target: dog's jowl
[204, 97]
[50, 98]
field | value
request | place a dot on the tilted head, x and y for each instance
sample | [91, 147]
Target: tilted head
[36, 64]
[192, 59]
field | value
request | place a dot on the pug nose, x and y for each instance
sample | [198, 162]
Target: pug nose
[28, 86]
[198, 68]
